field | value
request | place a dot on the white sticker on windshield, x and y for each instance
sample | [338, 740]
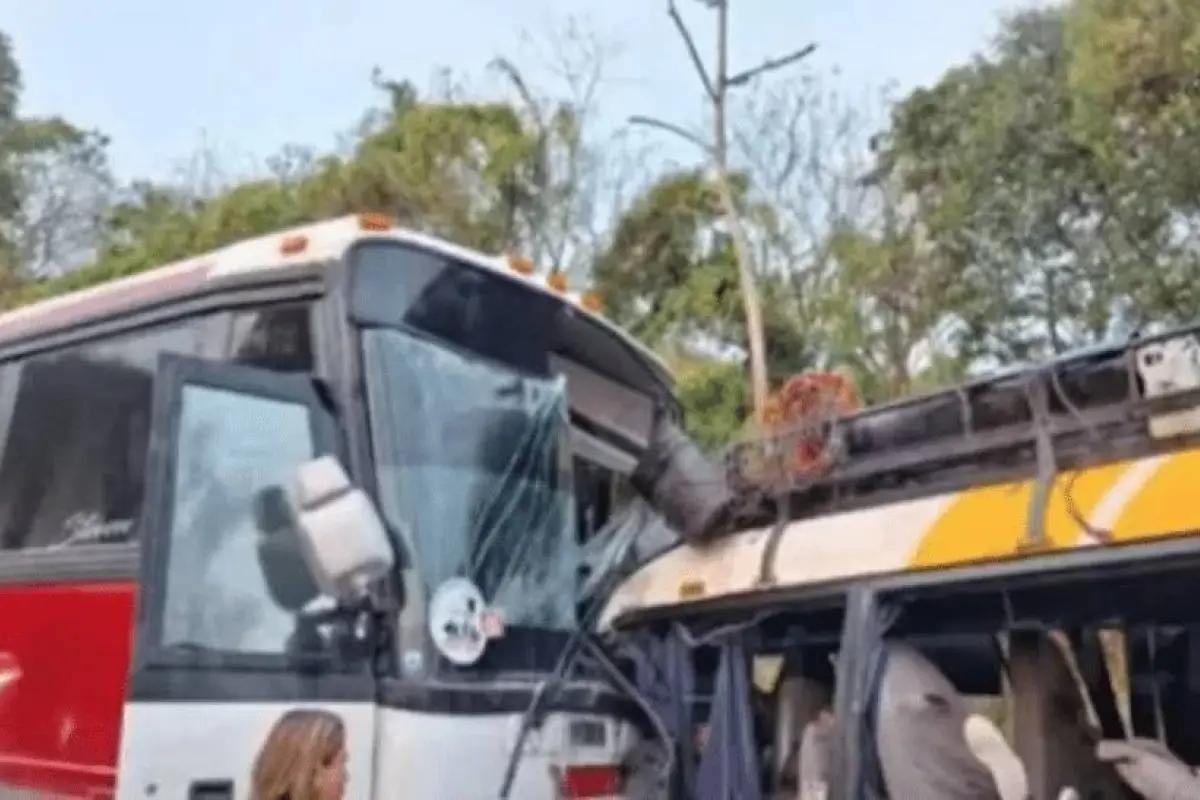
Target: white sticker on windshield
[457, 623]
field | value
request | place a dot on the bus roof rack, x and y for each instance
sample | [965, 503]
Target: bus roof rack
[1107, 403]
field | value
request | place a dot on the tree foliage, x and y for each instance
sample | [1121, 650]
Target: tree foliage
[1036, 198]
[54, 184]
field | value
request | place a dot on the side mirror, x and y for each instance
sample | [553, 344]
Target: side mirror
[280, 555]
[342, 538]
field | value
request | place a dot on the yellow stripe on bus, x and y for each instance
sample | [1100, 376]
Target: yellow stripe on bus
[991, 522]
[1169, 503]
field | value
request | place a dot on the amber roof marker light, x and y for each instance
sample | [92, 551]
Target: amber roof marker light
[375, 222]
[521, 265]
[293, 245]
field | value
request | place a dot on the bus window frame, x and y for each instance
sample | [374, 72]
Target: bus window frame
[869, 596]
[211, 307]
[173, 374]
[426, 693]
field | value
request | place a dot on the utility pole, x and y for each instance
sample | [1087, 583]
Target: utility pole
[716, 148]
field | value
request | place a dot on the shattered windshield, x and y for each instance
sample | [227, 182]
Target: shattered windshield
[634, 535]
[471, 458]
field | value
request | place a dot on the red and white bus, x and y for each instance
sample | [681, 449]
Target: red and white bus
[146, 644]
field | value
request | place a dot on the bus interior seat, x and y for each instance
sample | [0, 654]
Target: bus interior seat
[918, 710]
[1051, 729]
[919, 703]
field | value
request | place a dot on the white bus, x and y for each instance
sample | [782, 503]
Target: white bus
[154, 618]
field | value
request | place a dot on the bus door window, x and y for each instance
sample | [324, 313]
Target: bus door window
[231, 445]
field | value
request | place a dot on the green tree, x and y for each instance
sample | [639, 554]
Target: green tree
[669, 275]
[1133, 76]
[54, 186]
[1043, 173]
[468, 171]
[890, 302]
[715, 395]
[1005, 192]
[1133, 72]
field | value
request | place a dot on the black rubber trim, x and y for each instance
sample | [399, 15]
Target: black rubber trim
[606, 435]
[207, 685]
[500, 698]
[211, 790]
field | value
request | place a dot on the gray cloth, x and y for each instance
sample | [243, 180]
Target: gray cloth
[664, 676]
[919, 733]
[666, 679]
[1150, 769]
[729, 767]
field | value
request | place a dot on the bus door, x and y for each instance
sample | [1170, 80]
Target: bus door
[229, 633]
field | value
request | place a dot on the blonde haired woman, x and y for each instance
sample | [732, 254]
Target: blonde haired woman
[303, 758]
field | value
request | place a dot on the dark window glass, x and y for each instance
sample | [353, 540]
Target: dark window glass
[277, 338]
[74, 424]
[74, 427]
[488, 315]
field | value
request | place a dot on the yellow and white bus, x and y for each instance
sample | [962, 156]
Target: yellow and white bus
[1035, 534]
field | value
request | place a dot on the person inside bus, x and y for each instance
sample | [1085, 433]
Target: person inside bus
[815, 756]
[928, 743]
[303, 758]
[1150, 769]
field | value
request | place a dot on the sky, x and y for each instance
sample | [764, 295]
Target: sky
[245, 77]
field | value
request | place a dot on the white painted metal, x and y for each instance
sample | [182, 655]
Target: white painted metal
[165, 747]
[868, 541]
[463, 757]
[324, 241]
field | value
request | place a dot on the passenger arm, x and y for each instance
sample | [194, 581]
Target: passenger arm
[1150, 769]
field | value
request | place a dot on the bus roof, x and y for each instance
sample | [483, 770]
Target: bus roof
[953, 478]
[1130, 501]
[306, 245]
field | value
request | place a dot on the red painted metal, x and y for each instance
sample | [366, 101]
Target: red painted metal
[64, 663]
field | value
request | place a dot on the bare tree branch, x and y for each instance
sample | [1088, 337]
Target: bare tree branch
[671, 127]
[770, 65]
[509, 71]
[581, 170]
[710, 87]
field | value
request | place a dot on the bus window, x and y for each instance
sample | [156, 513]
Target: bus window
[600, 493]
[74, 437]
[277, 338]
[231, 446]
